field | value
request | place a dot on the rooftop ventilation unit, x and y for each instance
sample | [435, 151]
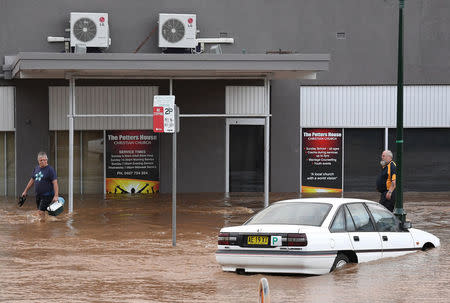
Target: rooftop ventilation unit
[177, 30]
[89, 30]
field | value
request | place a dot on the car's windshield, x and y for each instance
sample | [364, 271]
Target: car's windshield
[292, 213]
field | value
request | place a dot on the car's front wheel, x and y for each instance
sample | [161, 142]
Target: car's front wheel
[340, 261]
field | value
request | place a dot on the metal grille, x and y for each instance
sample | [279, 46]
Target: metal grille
[173, 30]
[102, 100]
[373, 106]
[244, 100]
[84, 29]
[7, 96]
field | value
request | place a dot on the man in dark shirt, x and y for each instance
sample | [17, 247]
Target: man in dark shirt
[45, 185]
[386, 180]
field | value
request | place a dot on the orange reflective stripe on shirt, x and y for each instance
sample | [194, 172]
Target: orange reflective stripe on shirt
[389, 177]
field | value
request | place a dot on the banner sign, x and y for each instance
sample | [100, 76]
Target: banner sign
[321, 160]
[164, 114]
[132, 162]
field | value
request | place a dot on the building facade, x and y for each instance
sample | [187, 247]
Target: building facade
[360, 36]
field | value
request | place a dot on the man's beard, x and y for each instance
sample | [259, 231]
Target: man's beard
[383, 163]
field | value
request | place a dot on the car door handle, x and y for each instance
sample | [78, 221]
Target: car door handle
[356, 238]
[385, 238]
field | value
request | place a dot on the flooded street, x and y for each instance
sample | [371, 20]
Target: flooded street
[120, 250]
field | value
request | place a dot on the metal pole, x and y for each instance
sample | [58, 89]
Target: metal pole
[174, 176]
[71, 112]
[398, 210]
[15, 165]
[266, 142]
[56, 151]
[181, 116]
[386, 137]
[6, 164]
[224, 115]
[343, 163]
[104, 164]
[227, 159]
[301, 160]
[81, 162]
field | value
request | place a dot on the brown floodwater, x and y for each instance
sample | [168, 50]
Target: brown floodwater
[120, 250]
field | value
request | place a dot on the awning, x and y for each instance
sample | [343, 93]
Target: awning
[29, 65]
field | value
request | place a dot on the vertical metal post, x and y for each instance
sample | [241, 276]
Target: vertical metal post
[81, 162]
[266, 141]
[342, 165]
[104, 163]
[174, 175]
[15, 165]
[227, 158]
[301, 160]
[71, 113]
[56, 152]
[398, 209]
[6, 164]
[386, 137]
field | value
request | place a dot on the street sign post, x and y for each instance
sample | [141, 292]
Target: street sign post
[164, 114]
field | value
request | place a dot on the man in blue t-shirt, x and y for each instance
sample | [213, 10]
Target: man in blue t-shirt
[45, 185]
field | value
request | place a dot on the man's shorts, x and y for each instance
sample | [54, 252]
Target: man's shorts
[42, 202]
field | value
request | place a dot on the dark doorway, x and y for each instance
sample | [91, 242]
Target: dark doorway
[246, 158]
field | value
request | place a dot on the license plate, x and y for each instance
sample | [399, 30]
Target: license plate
[258, 240]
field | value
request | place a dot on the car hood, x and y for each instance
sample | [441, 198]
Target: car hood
[271, 228]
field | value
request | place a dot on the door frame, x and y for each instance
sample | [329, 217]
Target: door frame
[229, 122]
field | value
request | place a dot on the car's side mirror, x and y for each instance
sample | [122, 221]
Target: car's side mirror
[405, 225]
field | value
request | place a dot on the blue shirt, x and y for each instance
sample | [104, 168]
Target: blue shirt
[43, 178]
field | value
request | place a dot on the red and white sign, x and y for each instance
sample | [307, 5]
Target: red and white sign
[164, 114]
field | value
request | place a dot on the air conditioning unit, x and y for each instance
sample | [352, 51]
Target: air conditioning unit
[177, 30]
[89, 30]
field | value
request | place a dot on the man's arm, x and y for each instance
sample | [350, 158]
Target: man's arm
[30, 183]
[55, 189]
[391, 189]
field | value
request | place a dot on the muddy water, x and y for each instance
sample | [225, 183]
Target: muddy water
[120, 250]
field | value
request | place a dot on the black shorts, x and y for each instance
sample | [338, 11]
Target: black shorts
[42, 202]
[389, 204]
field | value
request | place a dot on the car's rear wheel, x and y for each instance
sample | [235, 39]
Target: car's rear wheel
[340, 261]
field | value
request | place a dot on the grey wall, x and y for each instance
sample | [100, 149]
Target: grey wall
[362, 151]
[367, 55]
[426, 161]
[31, 127]
[285, 137]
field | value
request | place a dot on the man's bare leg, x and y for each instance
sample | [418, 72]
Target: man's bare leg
[41, 215]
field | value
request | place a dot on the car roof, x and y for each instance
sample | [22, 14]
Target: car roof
[333, 201]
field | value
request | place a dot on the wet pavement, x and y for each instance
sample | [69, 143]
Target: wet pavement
[120, 250]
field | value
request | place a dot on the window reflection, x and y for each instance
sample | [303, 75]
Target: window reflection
[339, 222]
[384, 219]
[360, 217]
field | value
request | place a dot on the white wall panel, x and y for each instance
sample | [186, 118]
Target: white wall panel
[347, 106]
[427, 106]
[373, 106]
[244, 100]
[7, 97]
[102, 100]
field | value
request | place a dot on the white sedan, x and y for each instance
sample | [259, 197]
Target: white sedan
[316, 236]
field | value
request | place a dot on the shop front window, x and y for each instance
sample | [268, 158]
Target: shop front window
[87, 161]
[7, 164]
